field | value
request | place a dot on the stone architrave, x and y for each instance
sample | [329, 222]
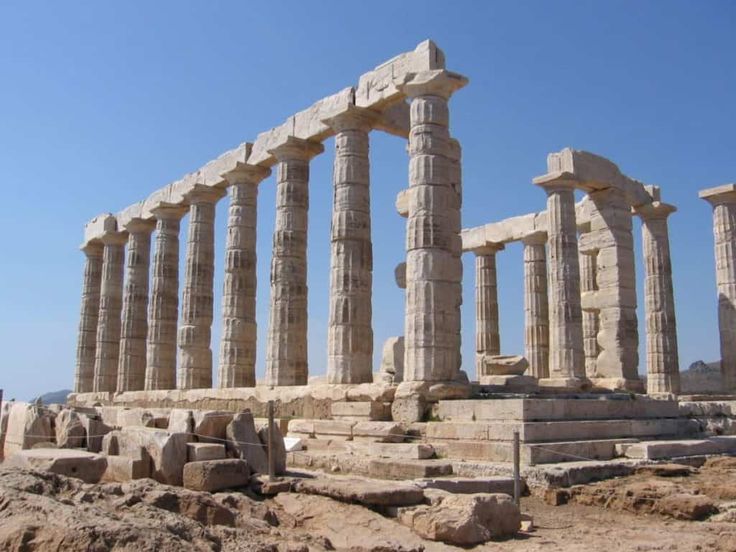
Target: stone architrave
[286, 349]
[487, 335]
[536, 308]
[163, 308]
[588, 287]
[108, 322]
[238, 343]
[134, 326]
[350, 330]
[618, 335]
[197, 303]
[87, 338]
[723, 200]
[663, 364]
[433, 264]
[566, 358]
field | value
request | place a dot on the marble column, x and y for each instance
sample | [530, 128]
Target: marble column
[487, 335]
[197, 302]
[87, 337]
[536, 309]
[663, 365]
[134, 326]
[108, 320]
[588, 287]
[163, 309]
[723, 200]
[433, 266]
[238, 343]
[286, 349]
[566, 358]
[350, 329]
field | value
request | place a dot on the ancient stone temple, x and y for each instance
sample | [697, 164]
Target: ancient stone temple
[574, 391]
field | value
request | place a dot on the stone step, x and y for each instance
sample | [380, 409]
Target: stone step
[389, 468]
[409, 451]
[361, 411]
[656, 450]
[550, 409]
[469, 485]
[347, 430]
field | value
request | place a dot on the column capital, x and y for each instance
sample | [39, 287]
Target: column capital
[92, 248]
[557, 182]
[140, 225]
[246, 174]
[204, 194]
[654, 210]
[168, 211]
[719, 195]
[535, 238]
[353, 118]
[296, 148]
[489, 248]
[440, 83]
[114, 238]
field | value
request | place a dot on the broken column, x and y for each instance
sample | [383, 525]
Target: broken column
[433, 266]
[87, 337]
[238, 343]
[723, 200]
[566, 359]
[163, 310]
[108, 322]
[663, 365]
[134, 326]
[195, 354]
[286, 349]
[350, 330]
[487, 337]
[536, 309]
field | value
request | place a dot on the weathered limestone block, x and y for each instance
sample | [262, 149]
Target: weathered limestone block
[361, 410]
[87, 466]
[216, 475]
[286, 349]
[70, 432]
[211, 424]
[411, 451]
[123, 468]
[362, 491]
[487, 336]
[378, 432]
[197, 452]
[279, 449]
[27, 425]
[108, 321]
[181, 420]
[433, 265]
[163, 311]
[134, 326]
[536, 308]
[392, 360]
[400, 275]
[95, 430]
[503, 365]
[350, 331]
[243, 442]
[4, 415]
[239, 328]
[588, 289]
[168, 451]
[87, 339]
[194, 335]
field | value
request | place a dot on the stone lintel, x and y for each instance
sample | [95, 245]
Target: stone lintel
[439, 82]
[720, 194]
[213, 172]
[559, 180]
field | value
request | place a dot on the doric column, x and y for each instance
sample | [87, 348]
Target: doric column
[238, 343]
[663, 365]
[134, 326]
[350, 330]
[108, 322]
[487, 336]
[723, 200]
[433, 265]
[163, 309]
[566, 359]
[286, 350]
[195, 332]
[588, 286]
[87, 337]
[536, 309]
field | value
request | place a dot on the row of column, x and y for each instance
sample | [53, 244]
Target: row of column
[562, 342]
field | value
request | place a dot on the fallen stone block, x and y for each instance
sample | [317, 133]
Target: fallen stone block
[70, 432]
[262, 485]
[409, 451]
[504, 365]
[409, 409]
[655, 450]
[243, 442]
[362, 491]
[216, 475]
[211, 424]
[122, 468]
[4, 415]
[384, 468]
[198, 452]
[168, 451]
[279, 450]
[180, 421]
[95, 430]
[87, 466]
[380, 432]
[27, 425]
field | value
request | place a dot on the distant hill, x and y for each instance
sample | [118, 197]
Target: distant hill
[701, 377]
[54, 397]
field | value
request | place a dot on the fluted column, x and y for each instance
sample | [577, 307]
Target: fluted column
[195, 332]
[536, 309]
[663, 365]
[487, 335]
[163, 308]
[433, 264]
[108, 322]
[566, 358]
[588, 286]
[87, 337]
[134, 325]
[238, 343]
[723, 200]
[286, 350]
[350, 329]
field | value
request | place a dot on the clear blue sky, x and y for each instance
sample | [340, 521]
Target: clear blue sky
[103, 102]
